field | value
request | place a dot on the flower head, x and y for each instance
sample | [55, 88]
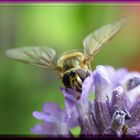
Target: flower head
[115, 109]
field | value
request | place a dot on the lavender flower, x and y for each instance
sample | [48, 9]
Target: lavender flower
[55, 121]
[115, 109]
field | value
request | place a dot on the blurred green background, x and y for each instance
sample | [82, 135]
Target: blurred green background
[24, 88]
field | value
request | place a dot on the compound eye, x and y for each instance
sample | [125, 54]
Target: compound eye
[72, 73]
[66, 79]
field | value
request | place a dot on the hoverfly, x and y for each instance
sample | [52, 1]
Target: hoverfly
[73, 67]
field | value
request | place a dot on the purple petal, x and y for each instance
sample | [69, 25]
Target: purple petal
[120, 100]
[111, 73]
[87, 125]
[70, 106]
[94, 119]
[103, 117]
[102, 89]
[49, 128]
[120, 74]
[87, 88]
[70, 113]
[115, 76]
[135, 114]
[37, 129]
[51, 108]
[62, 129]
[70, 101]
[46, 128]
[39, 115]
[102, 84]
[70, 93]
[53, 112]
[45, 117]
[73, 121]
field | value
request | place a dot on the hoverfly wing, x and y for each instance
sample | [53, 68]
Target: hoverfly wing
[93, 43]
[38, 56]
